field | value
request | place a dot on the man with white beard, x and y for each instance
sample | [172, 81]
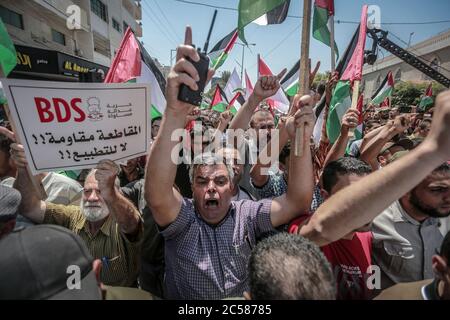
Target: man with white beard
[108, 222]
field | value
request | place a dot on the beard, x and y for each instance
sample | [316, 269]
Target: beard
[426, 209]
[94, 214]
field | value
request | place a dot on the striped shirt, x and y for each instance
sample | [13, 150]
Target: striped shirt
[210, 262]
[119, 256]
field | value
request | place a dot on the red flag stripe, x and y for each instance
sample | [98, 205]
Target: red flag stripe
[354, 68]
[127, 62]
[264, 70]
[325, 4]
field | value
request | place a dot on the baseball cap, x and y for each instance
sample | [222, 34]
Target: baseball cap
[9, 203]
[41, 262]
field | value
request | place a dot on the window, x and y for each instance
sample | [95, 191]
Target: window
[116, 25]
[100, 9]
[102, 45]
[398, 75]
[58, 37]
[125, 26]
[11, 17]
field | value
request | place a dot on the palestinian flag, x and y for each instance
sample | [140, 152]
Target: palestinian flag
[236, 103]
[289, 83]
[133, 62]
[248, 86]
[219, 102]
[251, 10]
[385, 90]
[386, 103]
[323, 11]
[275, 16]
[219, 53]
[279, 100]
[427, 100]
[233, 85]
[350, 68]
[8, 58]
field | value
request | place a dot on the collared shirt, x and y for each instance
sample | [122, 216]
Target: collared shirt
[403, 247]
[276, 186]
[210, 262]
[119, 255]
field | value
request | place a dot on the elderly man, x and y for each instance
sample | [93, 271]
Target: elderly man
[108, 222]
[208, 239]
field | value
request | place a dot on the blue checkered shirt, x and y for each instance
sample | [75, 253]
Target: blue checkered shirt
[206, 262]
[276, 186]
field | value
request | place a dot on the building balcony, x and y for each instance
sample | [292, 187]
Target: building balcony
[134, 8]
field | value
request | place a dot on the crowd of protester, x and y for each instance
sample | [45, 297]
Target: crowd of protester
[357, 219]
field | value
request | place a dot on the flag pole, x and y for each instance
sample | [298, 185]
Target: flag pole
[355, 96]
[36, 183]
[333, 55]
[303, 81]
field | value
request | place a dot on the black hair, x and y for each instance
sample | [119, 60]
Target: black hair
[442, 168]
[5, 144]
[343, 166]
[445, 248]
[321, 88]
[285, 152]
[290, 267]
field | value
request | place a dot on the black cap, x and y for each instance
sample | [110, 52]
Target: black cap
[46, 262]
[9, 203]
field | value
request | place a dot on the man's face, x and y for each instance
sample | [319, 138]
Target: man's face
[155, 127]
[238, 167]
[424, 128]
[211, 191]
[92, 203]
[432, 196]
[344, 181]
[263, 120]
[393, 113]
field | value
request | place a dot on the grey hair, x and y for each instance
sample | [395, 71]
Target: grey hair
[116, 181]
[208, 159]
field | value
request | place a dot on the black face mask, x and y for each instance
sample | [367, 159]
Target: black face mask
[419, 205]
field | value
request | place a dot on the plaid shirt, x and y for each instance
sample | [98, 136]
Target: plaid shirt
[277, 185]
[210, 262]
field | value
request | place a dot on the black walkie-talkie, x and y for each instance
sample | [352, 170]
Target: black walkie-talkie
[188, 95]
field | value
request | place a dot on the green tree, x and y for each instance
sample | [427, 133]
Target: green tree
[409, 93]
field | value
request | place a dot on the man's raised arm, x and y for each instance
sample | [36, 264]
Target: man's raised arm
[265, 87]
[164, 201]
[359, 203]
[300, 188]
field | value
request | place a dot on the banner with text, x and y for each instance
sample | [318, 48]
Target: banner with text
[66, 126]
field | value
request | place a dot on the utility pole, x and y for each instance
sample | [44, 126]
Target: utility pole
[171, 56]
[243, 56]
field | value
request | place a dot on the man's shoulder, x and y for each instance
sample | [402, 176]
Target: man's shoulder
[54, 178]
[404, 291]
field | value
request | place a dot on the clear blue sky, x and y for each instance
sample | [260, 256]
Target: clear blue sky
[279, 45]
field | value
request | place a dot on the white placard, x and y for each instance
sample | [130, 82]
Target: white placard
[66, 126]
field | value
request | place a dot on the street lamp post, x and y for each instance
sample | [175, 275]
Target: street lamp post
[171, 56]
[243, 55]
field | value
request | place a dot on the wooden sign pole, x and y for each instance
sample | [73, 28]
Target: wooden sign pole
[304, 70]
[355, 96]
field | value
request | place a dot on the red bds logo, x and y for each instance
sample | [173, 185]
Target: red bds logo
[59, 110]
